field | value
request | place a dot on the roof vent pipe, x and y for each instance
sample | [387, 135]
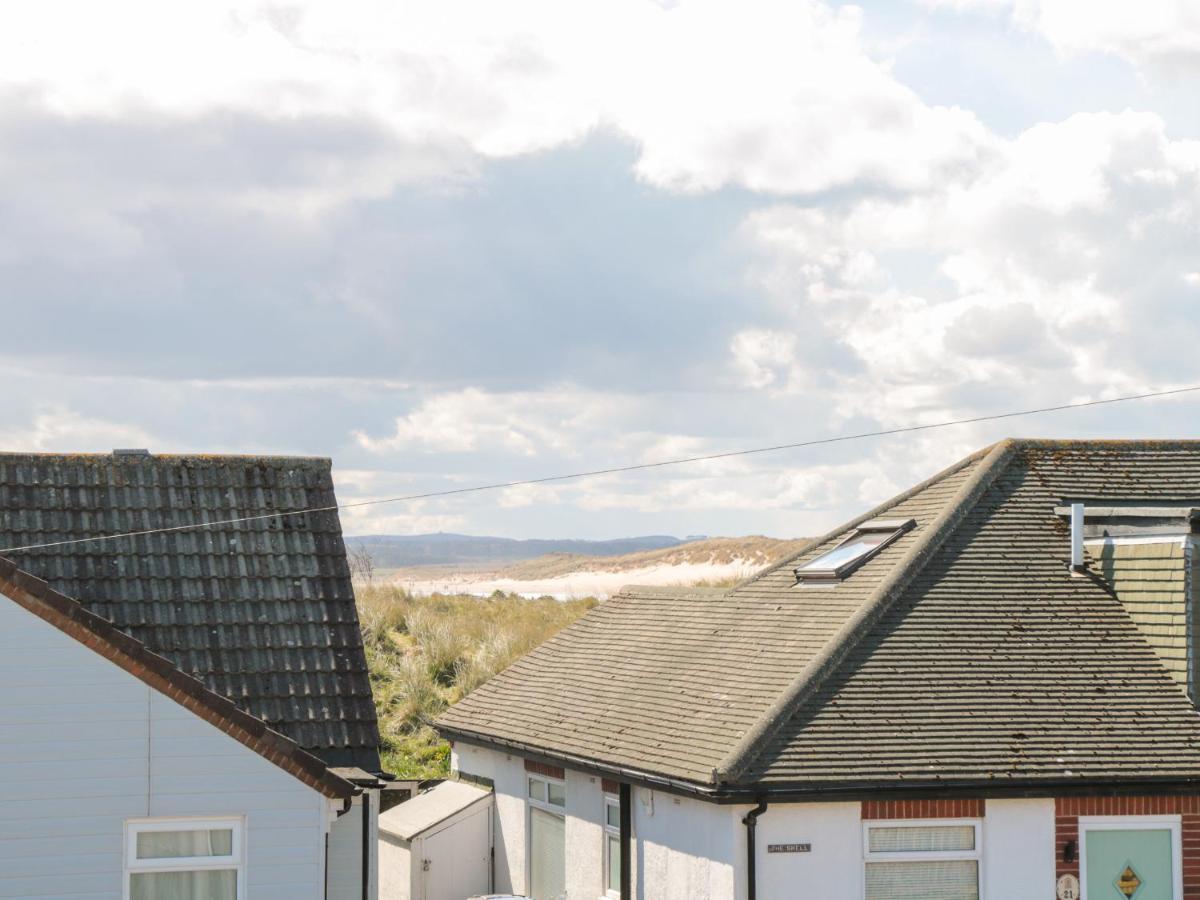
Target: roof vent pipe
[1077, 561]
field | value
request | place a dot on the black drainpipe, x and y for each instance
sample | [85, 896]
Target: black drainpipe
[626, 802]
[366, 845]
[750, 821]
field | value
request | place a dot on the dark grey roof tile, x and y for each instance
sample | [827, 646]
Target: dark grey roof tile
[245, 607]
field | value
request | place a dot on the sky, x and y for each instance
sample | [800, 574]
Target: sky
[452, 243]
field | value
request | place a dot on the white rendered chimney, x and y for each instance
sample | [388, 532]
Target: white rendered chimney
[1077, 562]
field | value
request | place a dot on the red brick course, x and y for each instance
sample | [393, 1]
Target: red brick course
[549, 771]
[923, 809]
[1067, 811]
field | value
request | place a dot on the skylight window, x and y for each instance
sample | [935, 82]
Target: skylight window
[867, 539]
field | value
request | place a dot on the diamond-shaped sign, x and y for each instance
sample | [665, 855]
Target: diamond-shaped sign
[1128, 881]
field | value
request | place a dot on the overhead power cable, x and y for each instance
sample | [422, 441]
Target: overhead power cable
[613, 470]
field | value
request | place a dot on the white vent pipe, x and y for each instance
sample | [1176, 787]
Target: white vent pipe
[1077, 563]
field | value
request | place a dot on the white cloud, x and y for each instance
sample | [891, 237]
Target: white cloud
[521, 423]
[61, 429]
[775, 95]
[1056, 272]
[390, 520]
[765, 358]
[521, 496]
[1152, 33]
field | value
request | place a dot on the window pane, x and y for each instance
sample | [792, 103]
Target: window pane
[942, 880]
[208, 885]
[848, 552]
[614, 863]
[612, 815]
[167, 844]
[547, 855]
[558, 793]
[537, 789]
[922, 837]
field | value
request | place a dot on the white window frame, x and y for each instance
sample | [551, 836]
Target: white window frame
[1134, 823]
[531, 803]
[921, 855]
[610, 801]
[236, 860]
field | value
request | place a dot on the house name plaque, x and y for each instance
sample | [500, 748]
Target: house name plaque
[789, 848]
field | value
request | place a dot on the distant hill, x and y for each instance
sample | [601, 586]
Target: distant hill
[390, 551]
[712, 561]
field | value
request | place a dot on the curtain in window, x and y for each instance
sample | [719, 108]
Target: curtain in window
[212, 884]
[547, 855]
[902, 839]
[934, 880]
[171, 844]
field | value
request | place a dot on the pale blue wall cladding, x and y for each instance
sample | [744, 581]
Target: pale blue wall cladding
[84, 745]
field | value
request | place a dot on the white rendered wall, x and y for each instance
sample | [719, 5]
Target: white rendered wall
[686, 849]
[346, 848]
[84, 745]
[508, 827]
[395, 872]
[682, 850]
[585, 835]
[1018, 849]
[832, 870]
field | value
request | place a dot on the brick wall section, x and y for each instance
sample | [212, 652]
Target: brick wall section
[549, 771]
[610, 786]
[1067, 811]
[923, 809]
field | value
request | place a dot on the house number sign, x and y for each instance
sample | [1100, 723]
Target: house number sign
[789, 848]
[1068, 887]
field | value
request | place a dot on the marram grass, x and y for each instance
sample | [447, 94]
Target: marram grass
[426, 652]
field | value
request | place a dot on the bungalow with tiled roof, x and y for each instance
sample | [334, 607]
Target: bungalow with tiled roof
[982, 688]
[185, 713]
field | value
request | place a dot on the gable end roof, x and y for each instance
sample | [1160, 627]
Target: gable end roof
[100, 635]
[260, 608]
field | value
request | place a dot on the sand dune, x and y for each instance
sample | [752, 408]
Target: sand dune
[714, 561]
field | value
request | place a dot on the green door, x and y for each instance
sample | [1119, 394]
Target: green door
[1133, 864]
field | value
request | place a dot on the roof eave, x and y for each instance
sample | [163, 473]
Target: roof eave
[998, 786]
[654, 780]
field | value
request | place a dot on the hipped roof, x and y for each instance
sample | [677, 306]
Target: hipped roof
[964, 654]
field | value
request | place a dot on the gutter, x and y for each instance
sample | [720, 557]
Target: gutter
[579, 763]
[810, 792]
[750, 820]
